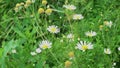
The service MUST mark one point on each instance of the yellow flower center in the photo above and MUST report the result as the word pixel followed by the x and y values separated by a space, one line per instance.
pixel 53 29
pixel 45 46
pixel 106 22
pixel 77 17
pixel 90 35
pixel 84 47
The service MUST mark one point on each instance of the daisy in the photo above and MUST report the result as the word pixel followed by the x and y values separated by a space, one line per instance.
pixel 33 1
pixel 77 17
pixel 108 23
pixel 61 40
pixel 33 53
pixel 38 50
pixel 13 51
pixel 69 7
pixel 107 51
pixel 70 36
pixel 53 29
pixel 83 45
pixel 45 44
pixel 90 33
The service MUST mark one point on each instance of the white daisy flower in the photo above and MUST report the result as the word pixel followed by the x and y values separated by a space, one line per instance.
pixel 45 44
pixel 77 17
pixel 107 51
pixel 114 64
pixel 108 23
pixel 61 40
pixel 33 1
pixel 13 51
pixel 90 33
pixel 53 29
pixel 38 50
pixel 118 48
pixel 83 45
pixel 33 53
pixel 69 7
pixel 78 39
pixel 70 36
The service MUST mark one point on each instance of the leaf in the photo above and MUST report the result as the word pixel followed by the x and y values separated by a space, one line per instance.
pixel 1 51
pixel 19 33
pixel 7 47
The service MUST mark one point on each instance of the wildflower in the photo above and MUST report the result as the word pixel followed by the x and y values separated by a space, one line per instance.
pixel 78 39
pixel 33 64
pixel 61 40
pixel 40 10
pixel 13 51
pixel 53 29
pixel 108 23
pixel 33 1
pixel 48 6
pixel 68 64
pixel 33 53
pixel 90 33
pixel 28 2
pixel 101 27
pixel 44 2
pixel 21 3
pixel 77 17
pixel 83 45
pixel 18 5
pixel 69 7
pixel 26 5
pixel 107 51
pixel 70 36
pixel 60 17
pixel 38 50
pixel 71 54
pixel 45 44
pixel 16 9
pixel 118 48
pixel 114 64
pixel 48 11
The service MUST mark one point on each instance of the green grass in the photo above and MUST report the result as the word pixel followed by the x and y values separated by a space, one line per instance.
pixel 25 29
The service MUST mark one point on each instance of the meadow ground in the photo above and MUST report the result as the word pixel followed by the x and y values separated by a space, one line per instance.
pixel 59 33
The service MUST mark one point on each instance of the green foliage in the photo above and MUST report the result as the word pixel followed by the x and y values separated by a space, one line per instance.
pixel 25 29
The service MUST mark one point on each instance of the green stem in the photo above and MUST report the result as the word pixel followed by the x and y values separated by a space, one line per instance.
pixel 54 56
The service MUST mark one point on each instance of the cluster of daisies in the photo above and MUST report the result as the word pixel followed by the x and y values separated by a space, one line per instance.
pixel 45 44
pixel 74 16
pixel 82 45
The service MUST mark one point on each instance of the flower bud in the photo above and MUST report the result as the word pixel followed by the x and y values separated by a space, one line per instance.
pixel 40 10
pixel 48 11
